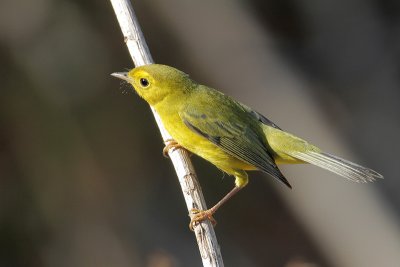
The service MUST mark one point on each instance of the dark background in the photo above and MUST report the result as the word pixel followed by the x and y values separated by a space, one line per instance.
pixel 82 178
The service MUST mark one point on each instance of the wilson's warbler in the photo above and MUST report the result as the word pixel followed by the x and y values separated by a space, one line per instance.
pixel 227 133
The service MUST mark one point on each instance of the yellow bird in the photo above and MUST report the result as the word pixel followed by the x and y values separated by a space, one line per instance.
pixel 228 134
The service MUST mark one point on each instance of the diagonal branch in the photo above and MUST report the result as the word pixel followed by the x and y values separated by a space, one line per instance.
pixel 205 235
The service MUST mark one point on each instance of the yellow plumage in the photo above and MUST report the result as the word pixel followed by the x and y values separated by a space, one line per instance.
pixel 227 133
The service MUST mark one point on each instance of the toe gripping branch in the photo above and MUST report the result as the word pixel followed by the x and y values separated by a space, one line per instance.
pixel 201 215
pixel 172 145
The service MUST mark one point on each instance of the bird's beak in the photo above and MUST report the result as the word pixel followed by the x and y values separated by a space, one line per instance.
pixel 121 75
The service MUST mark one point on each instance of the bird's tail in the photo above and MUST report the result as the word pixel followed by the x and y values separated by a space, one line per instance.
pixel 291 149
pixel 342 167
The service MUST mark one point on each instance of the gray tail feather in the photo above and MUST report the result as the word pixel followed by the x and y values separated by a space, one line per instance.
pixel 342 167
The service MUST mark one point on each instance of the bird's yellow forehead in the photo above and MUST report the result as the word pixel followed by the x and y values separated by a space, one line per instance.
pixel 138 73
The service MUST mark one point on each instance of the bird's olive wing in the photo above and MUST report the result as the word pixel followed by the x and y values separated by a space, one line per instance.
pixel 258 116
pixel 235 137
pixel 261 118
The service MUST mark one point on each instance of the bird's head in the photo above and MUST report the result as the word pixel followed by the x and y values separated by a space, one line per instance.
pixel 155 82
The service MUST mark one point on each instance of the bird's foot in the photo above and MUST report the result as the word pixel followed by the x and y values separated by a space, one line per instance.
pixel 201 215
pixel 172 145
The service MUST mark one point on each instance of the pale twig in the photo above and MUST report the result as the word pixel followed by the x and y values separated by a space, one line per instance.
pixel 205 235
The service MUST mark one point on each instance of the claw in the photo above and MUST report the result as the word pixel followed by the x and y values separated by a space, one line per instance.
pixel 170 144
pixel 201 215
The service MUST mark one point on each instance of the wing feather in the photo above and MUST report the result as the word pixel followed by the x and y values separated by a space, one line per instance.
pixel 237 139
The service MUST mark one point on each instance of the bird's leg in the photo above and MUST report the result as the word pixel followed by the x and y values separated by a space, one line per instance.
pixel 201 215
pixel 171 144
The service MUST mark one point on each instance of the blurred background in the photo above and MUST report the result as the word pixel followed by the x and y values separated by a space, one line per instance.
pixel 82 178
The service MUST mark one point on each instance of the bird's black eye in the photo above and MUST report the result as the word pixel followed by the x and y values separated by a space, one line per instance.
pixel 144 82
